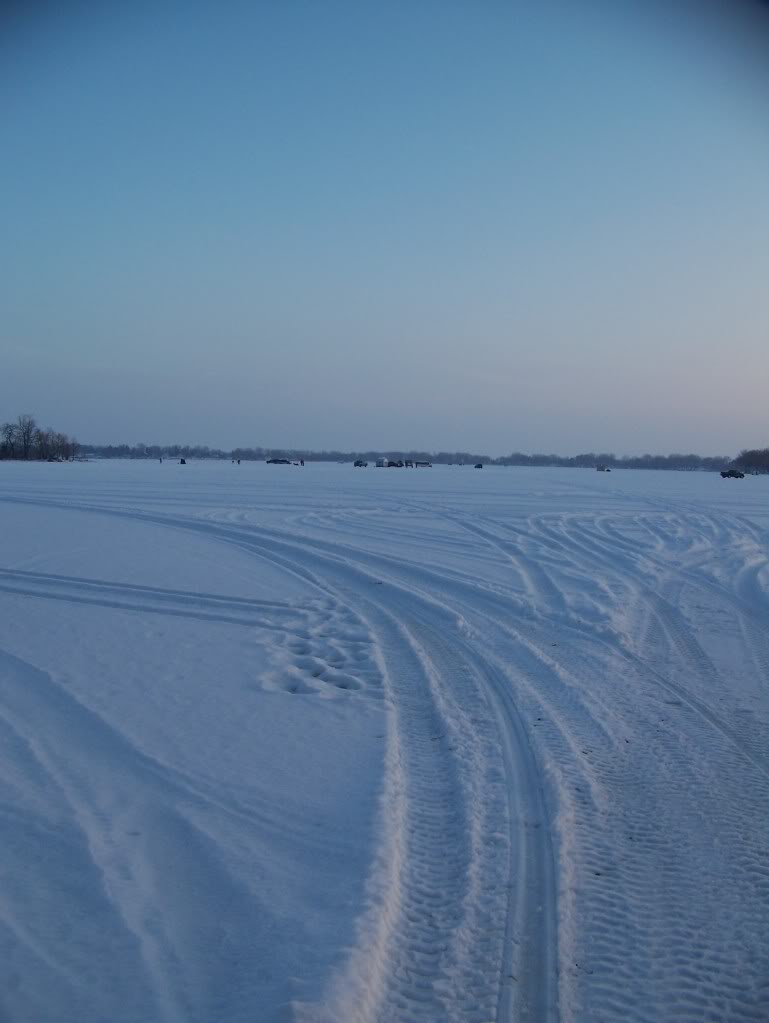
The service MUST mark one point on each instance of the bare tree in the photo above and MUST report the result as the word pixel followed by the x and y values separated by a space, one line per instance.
pixel 61 446
pixel 26 427
pixel 42 442
pixel 10 433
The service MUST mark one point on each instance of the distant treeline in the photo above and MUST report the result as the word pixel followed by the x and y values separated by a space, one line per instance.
pixel 153 451
pixel 590 460
pixel 440 457
pixel 23 439
pixel 753 460
pixel 756 460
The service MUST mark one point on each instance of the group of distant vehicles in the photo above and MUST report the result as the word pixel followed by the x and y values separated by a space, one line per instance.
pixel 388 463
pixel 399 463
pixel 726 474
pixel 393 463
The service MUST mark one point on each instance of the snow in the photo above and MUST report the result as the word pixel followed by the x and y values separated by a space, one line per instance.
pixel 330 744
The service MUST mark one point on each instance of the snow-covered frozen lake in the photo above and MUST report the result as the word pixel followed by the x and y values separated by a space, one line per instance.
pixel 373 746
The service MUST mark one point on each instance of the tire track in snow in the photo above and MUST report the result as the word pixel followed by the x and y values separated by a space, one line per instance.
pixel 681 639
pixel 463 898
pixel 631 862
pixel 457 959
pixel 611 907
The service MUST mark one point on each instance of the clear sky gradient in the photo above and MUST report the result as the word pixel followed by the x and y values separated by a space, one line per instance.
pixel 492 226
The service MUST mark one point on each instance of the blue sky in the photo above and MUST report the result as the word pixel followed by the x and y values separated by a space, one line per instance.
pixel 489 226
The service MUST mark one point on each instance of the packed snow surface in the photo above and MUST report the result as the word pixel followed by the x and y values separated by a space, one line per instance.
pixel 372 746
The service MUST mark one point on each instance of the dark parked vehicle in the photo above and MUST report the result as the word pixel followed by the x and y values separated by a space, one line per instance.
pixel 360 464
pixel 732 474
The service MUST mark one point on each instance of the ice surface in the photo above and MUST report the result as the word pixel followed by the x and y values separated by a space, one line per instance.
pixel 361 745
